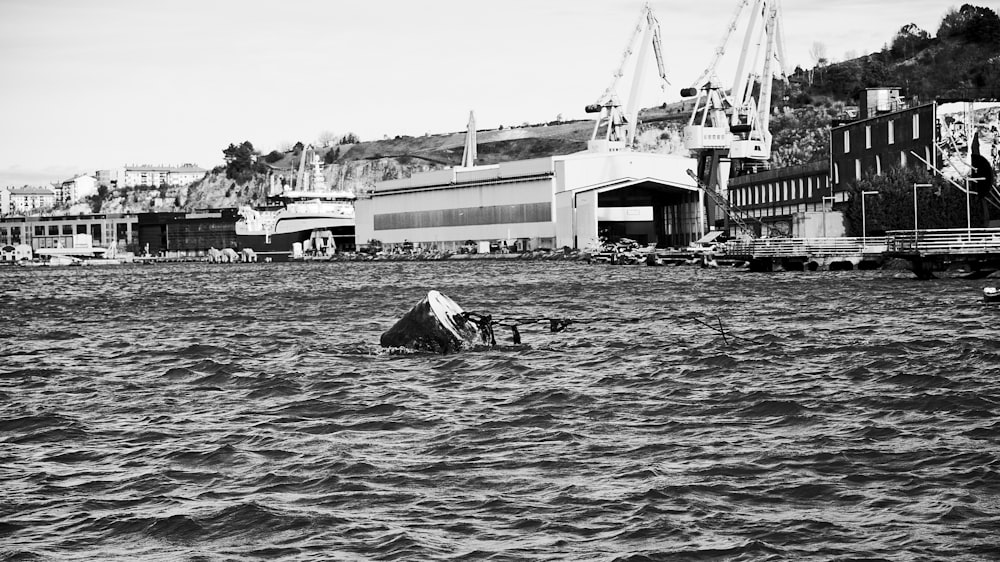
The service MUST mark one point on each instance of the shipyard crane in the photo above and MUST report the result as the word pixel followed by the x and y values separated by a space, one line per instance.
pixel 619 120
pixel 731 124
pixel 470 153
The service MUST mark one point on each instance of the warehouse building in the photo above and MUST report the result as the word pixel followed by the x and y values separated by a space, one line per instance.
pixel 553 202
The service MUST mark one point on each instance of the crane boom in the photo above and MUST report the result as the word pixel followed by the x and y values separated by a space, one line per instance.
pixel 709 73
pixel 621 119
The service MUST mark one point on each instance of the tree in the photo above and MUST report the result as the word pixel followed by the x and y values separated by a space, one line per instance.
pixel 908 41
pixel 349 138
pixel 97 200
pixel 331 155
pixel 971 24
pixel 802 135
pixel 241 162
pixel 326 138
pixel 273 156
pixel 939 206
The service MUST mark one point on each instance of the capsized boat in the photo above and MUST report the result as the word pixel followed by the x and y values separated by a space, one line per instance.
pixel 438 324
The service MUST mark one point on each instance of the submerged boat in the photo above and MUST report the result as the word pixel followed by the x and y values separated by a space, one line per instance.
pixel 991 294
pixel 307 220
pixel 438 324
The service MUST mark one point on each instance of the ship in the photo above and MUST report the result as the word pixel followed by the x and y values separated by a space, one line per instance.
pixel 304 220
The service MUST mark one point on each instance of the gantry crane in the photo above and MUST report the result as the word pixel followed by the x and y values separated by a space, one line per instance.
pixel 619 121
pixel 731 125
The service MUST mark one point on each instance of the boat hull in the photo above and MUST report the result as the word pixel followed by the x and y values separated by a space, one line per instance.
pixel 437 324
pixel 279 246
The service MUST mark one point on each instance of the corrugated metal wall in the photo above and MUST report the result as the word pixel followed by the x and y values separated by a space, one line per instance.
pixel 468 216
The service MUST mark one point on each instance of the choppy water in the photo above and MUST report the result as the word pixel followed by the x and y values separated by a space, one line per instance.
pixel 197 412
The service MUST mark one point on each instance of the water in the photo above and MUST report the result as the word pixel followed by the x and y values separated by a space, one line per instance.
pixel 245 412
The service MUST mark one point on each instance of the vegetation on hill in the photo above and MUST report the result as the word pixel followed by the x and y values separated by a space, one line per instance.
pixel 961 61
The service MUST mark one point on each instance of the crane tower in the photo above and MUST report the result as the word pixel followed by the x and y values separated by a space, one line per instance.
pixel 618 120
pixel 729 123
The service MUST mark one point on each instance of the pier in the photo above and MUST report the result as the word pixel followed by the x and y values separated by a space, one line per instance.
pixel 812 254
pixel 976 249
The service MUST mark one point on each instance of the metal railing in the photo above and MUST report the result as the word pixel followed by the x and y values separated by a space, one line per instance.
pixel 955 241
pixel 814 247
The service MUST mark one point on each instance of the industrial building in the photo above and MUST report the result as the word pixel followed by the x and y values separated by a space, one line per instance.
pixel 186 234
pixel 887 135
pixel 553 202
pixel 164 234
pixel 795 201
pixel 58 231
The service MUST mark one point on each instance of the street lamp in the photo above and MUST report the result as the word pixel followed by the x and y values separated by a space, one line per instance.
pixel 915 186
pixel 864 229
pixel 832 200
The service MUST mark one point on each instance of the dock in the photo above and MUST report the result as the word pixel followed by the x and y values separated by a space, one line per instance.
pixel 927 251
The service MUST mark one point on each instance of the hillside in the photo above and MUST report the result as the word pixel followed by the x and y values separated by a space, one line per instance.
pixel 356 167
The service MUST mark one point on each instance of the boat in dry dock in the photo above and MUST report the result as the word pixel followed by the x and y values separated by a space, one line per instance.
pixel 307 223
pixel 306 219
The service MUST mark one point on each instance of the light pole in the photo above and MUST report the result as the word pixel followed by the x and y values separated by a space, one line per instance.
pixel 832 200
pixel 864 228
pixel 915 186
pixel 968 203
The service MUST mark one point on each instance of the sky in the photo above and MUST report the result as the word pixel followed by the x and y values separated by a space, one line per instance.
pixel 87 85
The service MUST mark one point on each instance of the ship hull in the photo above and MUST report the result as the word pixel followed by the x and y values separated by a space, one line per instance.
pixel 279 246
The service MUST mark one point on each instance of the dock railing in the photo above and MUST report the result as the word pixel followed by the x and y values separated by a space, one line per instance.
pixel 954 241
pixel 818 247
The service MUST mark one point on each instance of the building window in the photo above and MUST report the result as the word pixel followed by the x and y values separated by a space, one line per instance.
pixel 916 125
pixel 892 131
pixel 927 156
pixel 857 168
pixel 847 142
pixel 878 165
pixel 53 230
pixel 902 159
pixel 809 187
pixel 868 136
pixel 81 229
pixel 67 229
pixel 836 173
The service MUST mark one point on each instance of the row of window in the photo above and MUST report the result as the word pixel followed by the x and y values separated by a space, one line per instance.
pixel 904 161
pixel 891 132
pixel 785 190
pixel 11 235
pixel 122 231
pixel 785 210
